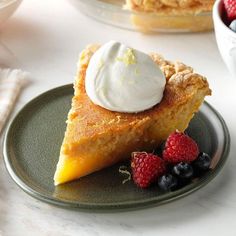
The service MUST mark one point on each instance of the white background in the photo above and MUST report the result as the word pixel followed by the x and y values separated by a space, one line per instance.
pixel 45 38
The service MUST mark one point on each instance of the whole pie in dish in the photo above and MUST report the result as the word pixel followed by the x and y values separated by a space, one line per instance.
pixel 96 138
pixel 171 6
pixel 172 15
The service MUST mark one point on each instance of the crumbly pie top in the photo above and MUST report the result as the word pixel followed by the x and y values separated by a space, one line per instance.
pixel 181 79
pixel 157 5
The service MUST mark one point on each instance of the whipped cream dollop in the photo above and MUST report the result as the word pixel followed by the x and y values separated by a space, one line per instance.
pixel 122 79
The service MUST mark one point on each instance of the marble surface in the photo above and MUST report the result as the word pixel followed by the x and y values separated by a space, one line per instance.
pixel 44 38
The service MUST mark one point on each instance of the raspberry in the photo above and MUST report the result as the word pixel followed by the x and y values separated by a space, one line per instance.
pixel 146 168
pixel 230 7
pixel 180 147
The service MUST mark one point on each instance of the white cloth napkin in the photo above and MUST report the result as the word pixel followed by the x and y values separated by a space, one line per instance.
pixel 11 84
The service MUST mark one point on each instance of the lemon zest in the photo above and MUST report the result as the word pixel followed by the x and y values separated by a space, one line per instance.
pixel 123 170
pixel 129 57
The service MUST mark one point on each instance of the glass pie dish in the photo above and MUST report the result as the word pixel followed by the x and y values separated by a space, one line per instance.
pixel 114 13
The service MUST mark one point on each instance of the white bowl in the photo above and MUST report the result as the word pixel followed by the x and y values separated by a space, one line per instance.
pixel 7 8
pixel 225 37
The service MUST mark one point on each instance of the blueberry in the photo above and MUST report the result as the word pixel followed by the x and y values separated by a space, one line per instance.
pixel 167 182
pixel 232 26
pixel 183 170
pixel 203 161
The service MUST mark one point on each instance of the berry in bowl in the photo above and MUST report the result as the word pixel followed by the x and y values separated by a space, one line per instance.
pixel 224 16
pixel 230 14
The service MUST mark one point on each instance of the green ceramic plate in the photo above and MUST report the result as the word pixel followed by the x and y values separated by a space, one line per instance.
pixel 32 145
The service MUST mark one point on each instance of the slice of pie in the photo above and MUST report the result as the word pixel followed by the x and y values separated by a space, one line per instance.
pixel 96 138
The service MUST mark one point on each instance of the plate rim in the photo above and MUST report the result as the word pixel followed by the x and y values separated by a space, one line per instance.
pixel 120 206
